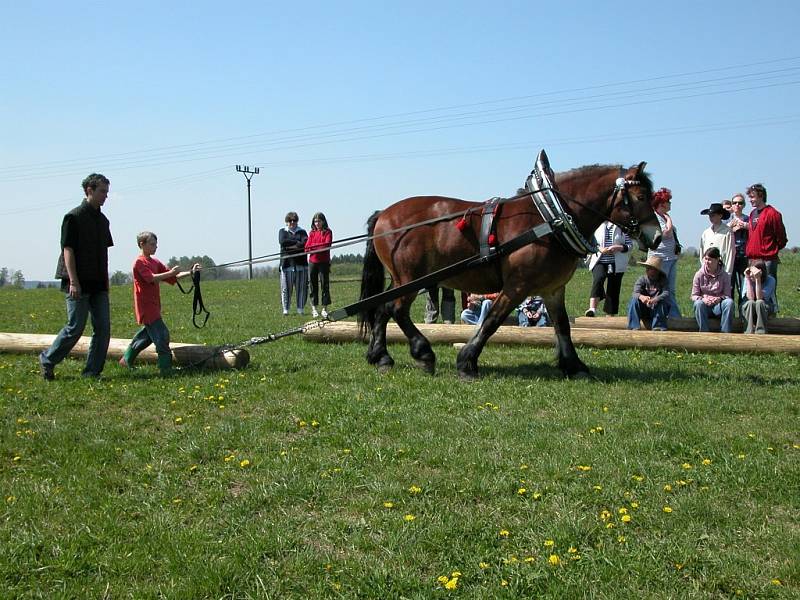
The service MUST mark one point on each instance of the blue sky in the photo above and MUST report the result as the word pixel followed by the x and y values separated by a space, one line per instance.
pixel 348 107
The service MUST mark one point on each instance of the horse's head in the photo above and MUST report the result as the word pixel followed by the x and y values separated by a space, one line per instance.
pixel 631 207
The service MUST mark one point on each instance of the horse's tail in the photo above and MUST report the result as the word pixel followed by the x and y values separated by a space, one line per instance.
pixel 372 278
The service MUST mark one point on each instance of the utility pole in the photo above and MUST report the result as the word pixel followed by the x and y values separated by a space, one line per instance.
pixel 248 174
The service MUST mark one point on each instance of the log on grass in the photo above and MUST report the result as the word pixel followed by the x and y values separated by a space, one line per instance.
pixel 596 338
pixel 183 355
pixel 781 325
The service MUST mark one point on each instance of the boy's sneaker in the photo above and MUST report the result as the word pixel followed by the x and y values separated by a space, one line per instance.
pixel 285 313
pixel 314 312
pixel 124 363
pixel 324 313
pixel 589 313
pixel 45 369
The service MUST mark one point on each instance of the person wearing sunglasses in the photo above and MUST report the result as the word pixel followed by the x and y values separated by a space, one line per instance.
pixel 738 224
pixel 294 264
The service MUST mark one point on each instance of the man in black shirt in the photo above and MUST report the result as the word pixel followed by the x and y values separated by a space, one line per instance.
pixel 83 270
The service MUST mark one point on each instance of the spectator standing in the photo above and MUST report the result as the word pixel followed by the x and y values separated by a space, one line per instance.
pixel 448 305
pixel 711 292
pixel 650 299
pixel 608 265
pixel 670 248
pixel 533 313
pixel 766 232
pixel 83 270
pixel 294 264
pixel 738 225
pixel 148 274
pixel 719 235
pixel 727 205
pixel 318 245
pixel 758 297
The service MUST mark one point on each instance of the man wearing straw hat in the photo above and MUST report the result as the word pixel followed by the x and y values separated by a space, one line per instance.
pixel 650 300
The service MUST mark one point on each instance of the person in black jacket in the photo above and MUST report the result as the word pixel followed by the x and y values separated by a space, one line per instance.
pixel 83 270
pixel 294 263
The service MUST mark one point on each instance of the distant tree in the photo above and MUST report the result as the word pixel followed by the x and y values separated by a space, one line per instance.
pixel 41 285
pixel 691 251
pixel 120 278
pixel 18 280
pixel 3 276
pixel 347 258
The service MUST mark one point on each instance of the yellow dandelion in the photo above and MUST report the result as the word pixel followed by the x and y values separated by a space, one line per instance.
pixel 686 466
pixel 706 461
pixel 11 499
pixel 605 515
pixel 622 510
pixel 667 488
pixel 667 509
pixel 523 467
pixel 408 518
pixel 193 468
pixel 678 566
pixel 610 526
pixel 455 574
pixel 244 463
pixel 388 505
pixel 638 478
pixel 584 468
pixel 16 458
pixel 414 489
pixel 537 496
pixel 315 423
pixel 597 488
pixel 776 581
pixel 626 518
pixel 634 505
pixel 346 451
pixel 503 583
pixel 452 584
pixel 483 565
pixel 301 423
pixel 443 579
pixel 521 491
pixel 572 550
pixel 178 420
pixel 741 456
pixel 504 533
pixel 554 560
pixel 549 543
pixel 529 559
pixel 176 500
pixel 621 539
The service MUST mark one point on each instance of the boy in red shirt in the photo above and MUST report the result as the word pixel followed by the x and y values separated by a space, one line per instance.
pixel 148 273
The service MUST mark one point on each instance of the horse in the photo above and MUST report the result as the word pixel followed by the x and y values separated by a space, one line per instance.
pixel 589 194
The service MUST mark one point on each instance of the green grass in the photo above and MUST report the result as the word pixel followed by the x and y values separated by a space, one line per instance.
pixel 133 486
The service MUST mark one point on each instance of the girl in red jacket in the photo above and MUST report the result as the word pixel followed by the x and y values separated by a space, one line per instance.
pixel 318 244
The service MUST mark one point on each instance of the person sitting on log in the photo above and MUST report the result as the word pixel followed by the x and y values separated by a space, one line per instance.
pixel 478 306
pixel 533 313
pixel 758 297
pixel 711 292
pixel 148 273
pixel 650 300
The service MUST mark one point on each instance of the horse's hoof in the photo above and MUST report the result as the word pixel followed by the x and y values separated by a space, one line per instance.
pixel 383 369
pixel 428 366
pixel 468 375
pixel 580 376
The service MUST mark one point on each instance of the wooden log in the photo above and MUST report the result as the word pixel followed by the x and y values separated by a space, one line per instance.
pixel 182 354
pixel 780 325
pixel 596 338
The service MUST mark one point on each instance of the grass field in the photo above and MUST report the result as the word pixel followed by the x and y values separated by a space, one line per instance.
pixel 670 475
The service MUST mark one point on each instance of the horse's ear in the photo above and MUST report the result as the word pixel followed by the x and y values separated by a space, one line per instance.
pixel 640 170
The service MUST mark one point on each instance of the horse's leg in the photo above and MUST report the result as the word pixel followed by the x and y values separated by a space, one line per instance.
pixel 467 360
pixel 568 360
pixel 377 352
pixel 419 346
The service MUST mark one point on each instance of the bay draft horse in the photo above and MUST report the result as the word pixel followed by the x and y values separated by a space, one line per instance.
pixel 590 194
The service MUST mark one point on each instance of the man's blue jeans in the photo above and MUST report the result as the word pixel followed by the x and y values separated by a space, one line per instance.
pixel 723 310
pixel 78 311
pixel 638 311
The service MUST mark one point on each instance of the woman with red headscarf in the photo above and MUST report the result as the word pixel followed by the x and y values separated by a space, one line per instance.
pixel 669 248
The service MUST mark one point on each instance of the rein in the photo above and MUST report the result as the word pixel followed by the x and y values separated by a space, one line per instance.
pixel 198 307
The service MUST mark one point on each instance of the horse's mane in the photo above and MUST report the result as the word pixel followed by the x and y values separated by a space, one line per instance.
pixel 596 170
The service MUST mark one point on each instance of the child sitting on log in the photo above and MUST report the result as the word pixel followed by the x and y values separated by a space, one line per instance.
pixel 148 273
pixel 650 301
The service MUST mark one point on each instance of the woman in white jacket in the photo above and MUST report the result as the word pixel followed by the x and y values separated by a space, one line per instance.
pixel 608 266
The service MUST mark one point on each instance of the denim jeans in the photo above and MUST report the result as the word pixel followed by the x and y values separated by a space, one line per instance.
pixel 472 317
pixel 152 333
pixel 78 311
pixel 723 310
pixel 294 279
pixel 670 267
pixel 638 311
pixel 523 321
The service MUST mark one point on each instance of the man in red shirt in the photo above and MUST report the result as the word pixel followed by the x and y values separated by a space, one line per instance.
pixel 766 233
pixel 148 273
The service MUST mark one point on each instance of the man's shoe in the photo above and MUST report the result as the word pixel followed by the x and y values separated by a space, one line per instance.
pixel 589 313
pixel 45 369
pixel 314 312
pixel 285 313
